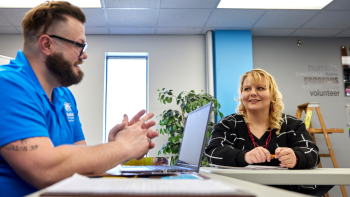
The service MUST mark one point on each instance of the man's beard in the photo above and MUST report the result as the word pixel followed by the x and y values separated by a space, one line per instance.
pixel 62 70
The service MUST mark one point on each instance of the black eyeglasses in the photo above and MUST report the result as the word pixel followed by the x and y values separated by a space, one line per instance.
pixel 83 46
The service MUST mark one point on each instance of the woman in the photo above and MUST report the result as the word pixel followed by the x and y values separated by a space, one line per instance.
pixel 260 130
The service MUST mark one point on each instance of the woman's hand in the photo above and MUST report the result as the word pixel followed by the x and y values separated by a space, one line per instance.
pixel 286 156
pixel 257 155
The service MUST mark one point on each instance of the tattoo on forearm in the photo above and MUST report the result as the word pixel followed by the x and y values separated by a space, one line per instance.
pixel 34 147
pixel 21 148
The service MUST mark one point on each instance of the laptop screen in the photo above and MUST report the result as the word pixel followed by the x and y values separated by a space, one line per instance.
pixel 194 134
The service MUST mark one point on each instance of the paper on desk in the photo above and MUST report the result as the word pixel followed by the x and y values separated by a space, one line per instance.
pixel 251 167
pixel 79 184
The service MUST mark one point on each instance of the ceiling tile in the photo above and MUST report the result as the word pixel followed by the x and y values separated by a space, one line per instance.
pixel 8 30
pixel 4 21
pixel 330 20
pixel 338 5
pixel 20 29
pixel 95 17
pixel 14 15
pixel 233 18
pixel 131 3
pixel 345 33
pixel 96 30
pixel 132 17
pixel 132 30
pixel 272 32
pixel 162 30
pixel 189 3
pixel 316 32
pixel 183 17
pixel 285 18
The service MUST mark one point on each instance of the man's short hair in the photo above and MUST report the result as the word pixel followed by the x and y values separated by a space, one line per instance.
pixel 37 20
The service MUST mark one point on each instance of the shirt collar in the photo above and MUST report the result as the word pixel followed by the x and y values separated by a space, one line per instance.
pixel 23 61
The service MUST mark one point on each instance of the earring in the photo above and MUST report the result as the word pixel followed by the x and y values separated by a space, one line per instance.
pixel 272 109
pixel 243 110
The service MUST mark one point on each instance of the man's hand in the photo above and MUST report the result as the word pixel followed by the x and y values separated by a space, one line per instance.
pixel 286 156
pixel 113 132
pixel 117 128
pixel 137 117
pixel 257 155
pixel 135 138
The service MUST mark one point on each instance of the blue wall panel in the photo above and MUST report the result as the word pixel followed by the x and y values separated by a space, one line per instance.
pixel 233 56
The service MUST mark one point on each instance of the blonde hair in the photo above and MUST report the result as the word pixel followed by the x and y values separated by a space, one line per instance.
pixel 275 96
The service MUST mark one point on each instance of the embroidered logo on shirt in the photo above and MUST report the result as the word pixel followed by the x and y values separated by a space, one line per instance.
pixel 70 114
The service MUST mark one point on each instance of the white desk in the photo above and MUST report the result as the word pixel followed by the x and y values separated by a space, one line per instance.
pixel 253 188
pixel 318 176
pixel 256 189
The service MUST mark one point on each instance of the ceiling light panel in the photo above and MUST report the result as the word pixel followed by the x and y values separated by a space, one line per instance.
pixel 274 4
pixel 34 3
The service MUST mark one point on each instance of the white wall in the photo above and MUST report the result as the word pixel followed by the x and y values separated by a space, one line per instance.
pixel 175 62
pixel 4 59
pixel 282 58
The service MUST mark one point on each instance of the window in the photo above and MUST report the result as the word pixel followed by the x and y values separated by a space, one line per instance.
pixel 126 87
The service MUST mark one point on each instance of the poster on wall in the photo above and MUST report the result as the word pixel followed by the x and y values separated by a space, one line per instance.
pixel 345 60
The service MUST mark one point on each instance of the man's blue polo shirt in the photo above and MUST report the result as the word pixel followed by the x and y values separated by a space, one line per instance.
pixel 26 111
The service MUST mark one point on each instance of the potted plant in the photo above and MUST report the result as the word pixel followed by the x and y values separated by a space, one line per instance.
pixel 171 122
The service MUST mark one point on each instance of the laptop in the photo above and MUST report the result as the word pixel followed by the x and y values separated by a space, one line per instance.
pixel 191 149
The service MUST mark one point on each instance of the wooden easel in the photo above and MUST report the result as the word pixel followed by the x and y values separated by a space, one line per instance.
pixel 308 108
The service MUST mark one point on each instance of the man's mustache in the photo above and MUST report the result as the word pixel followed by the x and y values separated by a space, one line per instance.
pixel 78 62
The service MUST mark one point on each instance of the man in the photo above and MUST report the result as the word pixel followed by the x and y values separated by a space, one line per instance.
pixel 39 124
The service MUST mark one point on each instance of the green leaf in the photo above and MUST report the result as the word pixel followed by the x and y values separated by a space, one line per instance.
pixel 165 131
pixel 170 93
pixel 177 102
pixel 178 124
pixel 208 134
pixel 176 139
pixel 157 89
pixel 169 99
pixel 175 128
pixel 163 89
pixel 162 97
pixel 192 91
